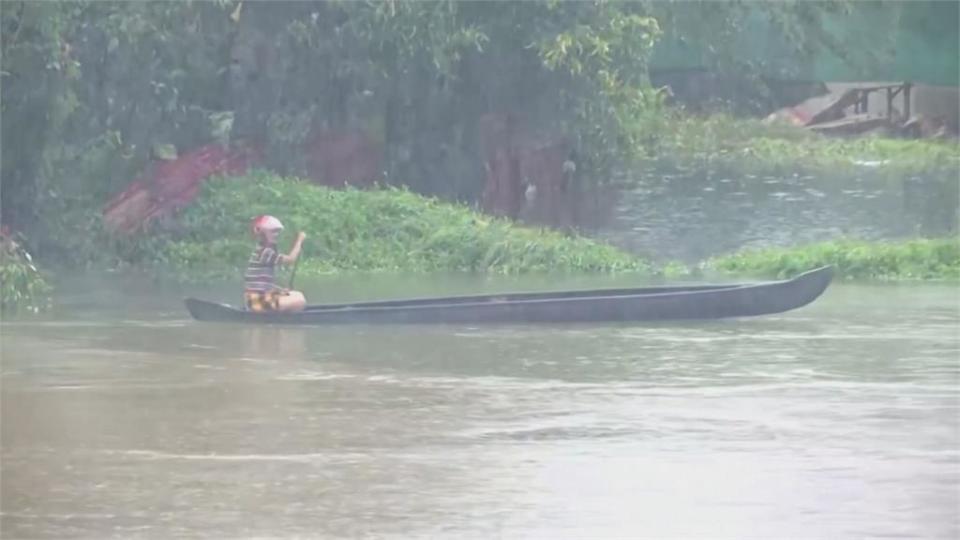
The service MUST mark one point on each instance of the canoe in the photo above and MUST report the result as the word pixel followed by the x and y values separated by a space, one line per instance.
pixel 669 303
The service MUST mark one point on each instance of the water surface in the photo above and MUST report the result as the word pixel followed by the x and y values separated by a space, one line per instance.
pixel 692 214
pixel 838 420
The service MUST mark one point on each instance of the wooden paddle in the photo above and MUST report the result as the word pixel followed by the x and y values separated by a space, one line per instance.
pixel 293 273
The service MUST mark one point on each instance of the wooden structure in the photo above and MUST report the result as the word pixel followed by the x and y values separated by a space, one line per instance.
pixel 861 104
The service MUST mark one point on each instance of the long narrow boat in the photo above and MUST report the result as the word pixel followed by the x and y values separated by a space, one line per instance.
pixel 600 305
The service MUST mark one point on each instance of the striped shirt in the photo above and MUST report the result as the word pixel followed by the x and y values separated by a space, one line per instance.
pixel 261 267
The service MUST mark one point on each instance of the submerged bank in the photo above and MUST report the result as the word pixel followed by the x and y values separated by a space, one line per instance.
pixel 751 146
pixel 918 259
pixel 27 290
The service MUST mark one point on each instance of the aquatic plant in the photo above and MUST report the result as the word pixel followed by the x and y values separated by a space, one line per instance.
pixel 915 259
pixel 753 146
pixel 22 286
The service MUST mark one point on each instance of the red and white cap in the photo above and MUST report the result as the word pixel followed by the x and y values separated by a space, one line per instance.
pixel 265 223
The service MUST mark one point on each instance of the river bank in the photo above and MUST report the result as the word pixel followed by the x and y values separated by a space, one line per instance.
pixel 904 190
pixel 394 232
pixel 378 230
pixel 908 260
pixel 755 147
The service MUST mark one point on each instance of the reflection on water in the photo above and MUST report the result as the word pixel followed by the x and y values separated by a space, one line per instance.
pixel 834 421
pixel 693 214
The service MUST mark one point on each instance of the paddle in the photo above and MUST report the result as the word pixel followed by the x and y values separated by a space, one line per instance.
pixel 293 273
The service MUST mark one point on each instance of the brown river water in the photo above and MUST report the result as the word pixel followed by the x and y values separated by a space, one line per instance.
pixel 838 420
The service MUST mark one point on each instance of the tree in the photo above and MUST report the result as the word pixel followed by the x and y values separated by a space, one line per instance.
pixel 89 89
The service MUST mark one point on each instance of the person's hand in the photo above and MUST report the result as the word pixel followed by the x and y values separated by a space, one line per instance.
pixel 301 236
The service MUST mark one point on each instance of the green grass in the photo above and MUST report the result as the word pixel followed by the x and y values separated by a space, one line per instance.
pixel 752 146
pixel 920 259
pixel 350 230
pixel 394 230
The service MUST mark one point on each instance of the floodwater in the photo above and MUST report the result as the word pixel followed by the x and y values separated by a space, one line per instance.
pixel 693 214
pixel 839 420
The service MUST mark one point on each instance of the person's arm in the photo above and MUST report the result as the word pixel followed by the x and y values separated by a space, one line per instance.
pixel 291 257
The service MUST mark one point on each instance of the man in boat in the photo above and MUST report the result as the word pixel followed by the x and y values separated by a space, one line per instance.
pixel 261 291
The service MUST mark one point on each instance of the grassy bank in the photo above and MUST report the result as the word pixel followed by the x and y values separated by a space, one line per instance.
pixel 752 146
pixel 394 230
pixel 920 259
pixel 351 230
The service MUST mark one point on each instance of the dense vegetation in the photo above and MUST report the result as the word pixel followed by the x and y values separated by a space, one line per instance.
pixel 396 230
pixel 393 230
pixel 351 230
pixel 92 89
pixel 22 287
pixel 852 259
pixel 752 146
